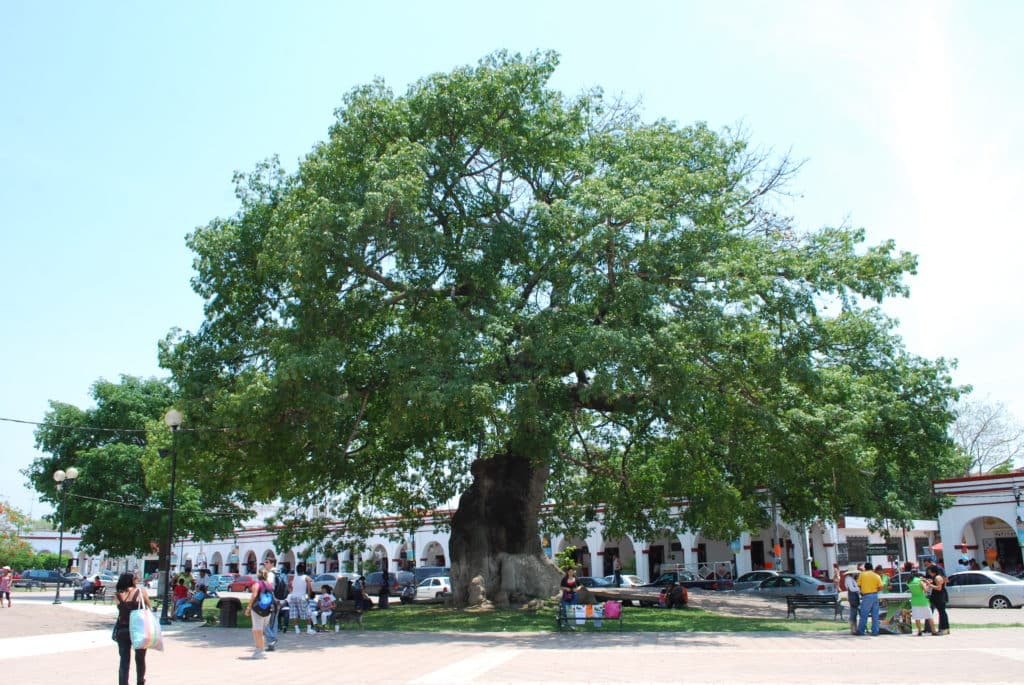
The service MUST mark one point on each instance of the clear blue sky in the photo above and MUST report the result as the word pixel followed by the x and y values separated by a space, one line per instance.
pixel 122 123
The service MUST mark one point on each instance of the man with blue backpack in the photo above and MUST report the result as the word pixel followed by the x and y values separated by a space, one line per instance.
pixel 270 629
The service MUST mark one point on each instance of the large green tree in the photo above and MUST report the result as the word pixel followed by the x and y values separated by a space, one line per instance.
pixel 119 501
pixel 485 287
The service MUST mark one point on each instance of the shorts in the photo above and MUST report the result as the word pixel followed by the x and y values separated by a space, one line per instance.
pixel 299 607
pixel 259 622
pixel 921 613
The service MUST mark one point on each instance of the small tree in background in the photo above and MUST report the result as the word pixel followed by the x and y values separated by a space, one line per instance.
pixel 14 551
pixel 988 435
pixel 566 559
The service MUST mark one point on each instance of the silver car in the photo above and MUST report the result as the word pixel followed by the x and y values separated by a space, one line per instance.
pixel 628 580
pixel 786 584
pixel 985 589
pixel 748 581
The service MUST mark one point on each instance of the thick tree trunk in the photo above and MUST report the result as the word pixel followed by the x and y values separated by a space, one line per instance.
pixel 495 543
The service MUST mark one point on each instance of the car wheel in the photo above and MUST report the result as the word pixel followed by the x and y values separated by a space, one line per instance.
pixel 1000 602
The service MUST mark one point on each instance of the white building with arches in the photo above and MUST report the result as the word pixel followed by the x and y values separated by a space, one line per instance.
pixel 986 521
pixel 786 546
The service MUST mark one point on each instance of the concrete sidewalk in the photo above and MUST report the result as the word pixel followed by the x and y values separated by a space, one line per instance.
pixel 198 653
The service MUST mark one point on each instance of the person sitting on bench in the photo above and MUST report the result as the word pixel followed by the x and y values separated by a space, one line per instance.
pixel 88 588
pixel 84 590
pixel 193 608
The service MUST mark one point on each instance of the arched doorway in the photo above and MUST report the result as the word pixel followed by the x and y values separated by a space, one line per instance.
pixel 623 550
pixel 987 541
pixel 581 556
pixel 216 562
pixel 433 554
pixel 233 560
pixel 250 562
pixel 377 560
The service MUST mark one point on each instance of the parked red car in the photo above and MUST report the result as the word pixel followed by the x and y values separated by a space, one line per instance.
pixel 241 584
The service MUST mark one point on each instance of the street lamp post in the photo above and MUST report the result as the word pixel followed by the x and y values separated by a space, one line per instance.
pixel 61 476
pixel 173 421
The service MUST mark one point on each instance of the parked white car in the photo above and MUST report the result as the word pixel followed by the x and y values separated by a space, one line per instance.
pixel 628 580
pixel 985 589
pixel 434 589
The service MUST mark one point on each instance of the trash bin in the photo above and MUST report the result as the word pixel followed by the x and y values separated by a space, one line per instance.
pixel 229 608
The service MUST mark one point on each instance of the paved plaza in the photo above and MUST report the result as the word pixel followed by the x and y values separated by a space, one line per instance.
pixel 70 643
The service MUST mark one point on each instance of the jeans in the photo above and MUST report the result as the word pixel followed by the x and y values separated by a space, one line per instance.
pixel 868 606
pixel 270 629
pixel 124 650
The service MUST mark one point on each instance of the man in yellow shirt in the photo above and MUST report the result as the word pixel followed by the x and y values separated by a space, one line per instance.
pixel 870 584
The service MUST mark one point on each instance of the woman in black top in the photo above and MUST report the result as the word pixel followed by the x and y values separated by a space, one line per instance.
pixel 129 598
pixel 569 586
pixel 939 596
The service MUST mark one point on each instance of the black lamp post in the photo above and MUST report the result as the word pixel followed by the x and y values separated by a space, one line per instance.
pixel 61 476
pixel 173 421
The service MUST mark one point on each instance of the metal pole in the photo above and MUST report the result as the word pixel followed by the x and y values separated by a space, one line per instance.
pixel 164 618
pixel 60 538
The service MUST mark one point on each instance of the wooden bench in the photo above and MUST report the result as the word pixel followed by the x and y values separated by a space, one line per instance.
pixel 565 622
pixel 793 602
pixel 346 612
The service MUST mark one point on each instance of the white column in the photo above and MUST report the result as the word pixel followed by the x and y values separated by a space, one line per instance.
pixel 688 544
pixel 796 535
pixel 642 560
pixel 743 562
pixel 556 544
pixel 595 543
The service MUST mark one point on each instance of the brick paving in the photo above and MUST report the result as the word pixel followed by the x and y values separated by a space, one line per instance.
pixel 70 642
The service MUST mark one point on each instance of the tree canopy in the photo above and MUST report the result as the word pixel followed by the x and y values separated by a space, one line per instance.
pixel 119 501
pixel 484 268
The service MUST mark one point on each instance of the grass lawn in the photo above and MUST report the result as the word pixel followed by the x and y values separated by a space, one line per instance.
pixel 437 618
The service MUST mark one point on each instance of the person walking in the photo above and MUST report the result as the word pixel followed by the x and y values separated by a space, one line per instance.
pixel 270 629
pixel 617 570
pixel 6 578
pixel 870 584
pixel 298 600
pixel 259 622
pixel 129 597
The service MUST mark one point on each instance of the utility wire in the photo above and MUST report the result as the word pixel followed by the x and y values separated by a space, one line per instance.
pixel 94 429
